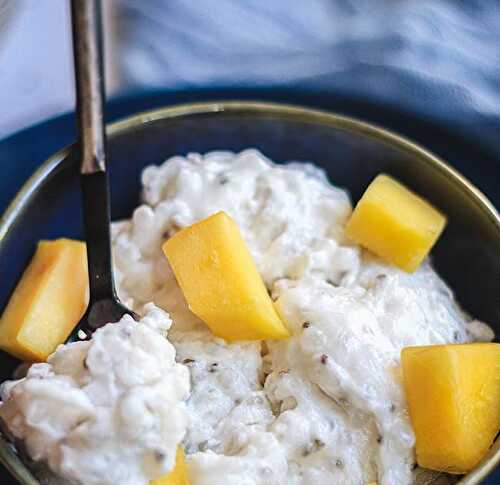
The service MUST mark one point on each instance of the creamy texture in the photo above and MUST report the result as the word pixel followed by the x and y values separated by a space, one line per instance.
pixel 107 411
pixel 227 400
pixel 346 343
pixel 326 405
pixel 291 220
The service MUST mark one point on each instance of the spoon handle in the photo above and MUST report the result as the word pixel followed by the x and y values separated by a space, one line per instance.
pixel 89 75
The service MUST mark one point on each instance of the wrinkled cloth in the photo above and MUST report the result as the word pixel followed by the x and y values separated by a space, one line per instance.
pixel 438 58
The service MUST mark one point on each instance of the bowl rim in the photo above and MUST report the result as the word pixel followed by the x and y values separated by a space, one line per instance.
pixel 271 110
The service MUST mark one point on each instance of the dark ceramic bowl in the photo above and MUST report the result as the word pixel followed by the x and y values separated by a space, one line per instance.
pixel 352 153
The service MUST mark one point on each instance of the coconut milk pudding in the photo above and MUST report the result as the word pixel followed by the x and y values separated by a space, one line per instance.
pixel 326 405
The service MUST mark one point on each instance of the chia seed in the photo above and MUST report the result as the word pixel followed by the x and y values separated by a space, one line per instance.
pixel 159 456
pixel 223 179
pixel 170 231
pixel 80 422
pixel 324 359
pixel 306 324
pixel 318 444
pixel 315 446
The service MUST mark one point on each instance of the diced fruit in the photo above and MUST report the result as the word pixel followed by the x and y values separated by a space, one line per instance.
pixel 48 301
pixel 178 476
pixel 220 281
pixel 396 224
pixel 453 394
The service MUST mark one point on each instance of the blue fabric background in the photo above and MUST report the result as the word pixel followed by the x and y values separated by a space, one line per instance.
pixel 437 58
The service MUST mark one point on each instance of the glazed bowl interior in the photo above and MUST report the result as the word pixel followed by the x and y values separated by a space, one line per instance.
pixel 351 152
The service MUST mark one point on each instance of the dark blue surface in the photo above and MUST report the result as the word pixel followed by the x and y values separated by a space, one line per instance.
pixel 472 155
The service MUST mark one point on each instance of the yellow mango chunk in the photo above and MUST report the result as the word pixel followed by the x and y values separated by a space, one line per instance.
pixel 178 476
pixel 48 301
pixel 453 394
pixel 220 281
pixel 395 224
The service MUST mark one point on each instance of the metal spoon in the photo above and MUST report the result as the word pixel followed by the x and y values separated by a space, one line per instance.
pixel 104 305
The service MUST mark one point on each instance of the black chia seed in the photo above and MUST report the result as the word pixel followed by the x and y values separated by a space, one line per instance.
pixel 170 231
pixel 80 422
pixel 159 456
pixel 306 324
pixel 318 444
pixel 315 446
pixel 324 359
pixel 223 179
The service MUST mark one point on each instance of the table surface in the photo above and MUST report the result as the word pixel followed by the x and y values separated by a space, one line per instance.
pixel 476 158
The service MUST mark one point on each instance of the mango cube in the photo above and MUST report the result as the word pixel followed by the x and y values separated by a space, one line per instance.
pixel 220 281
pixel 395 224
pixel 48 301
pixel 453 394
pixel 178 476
